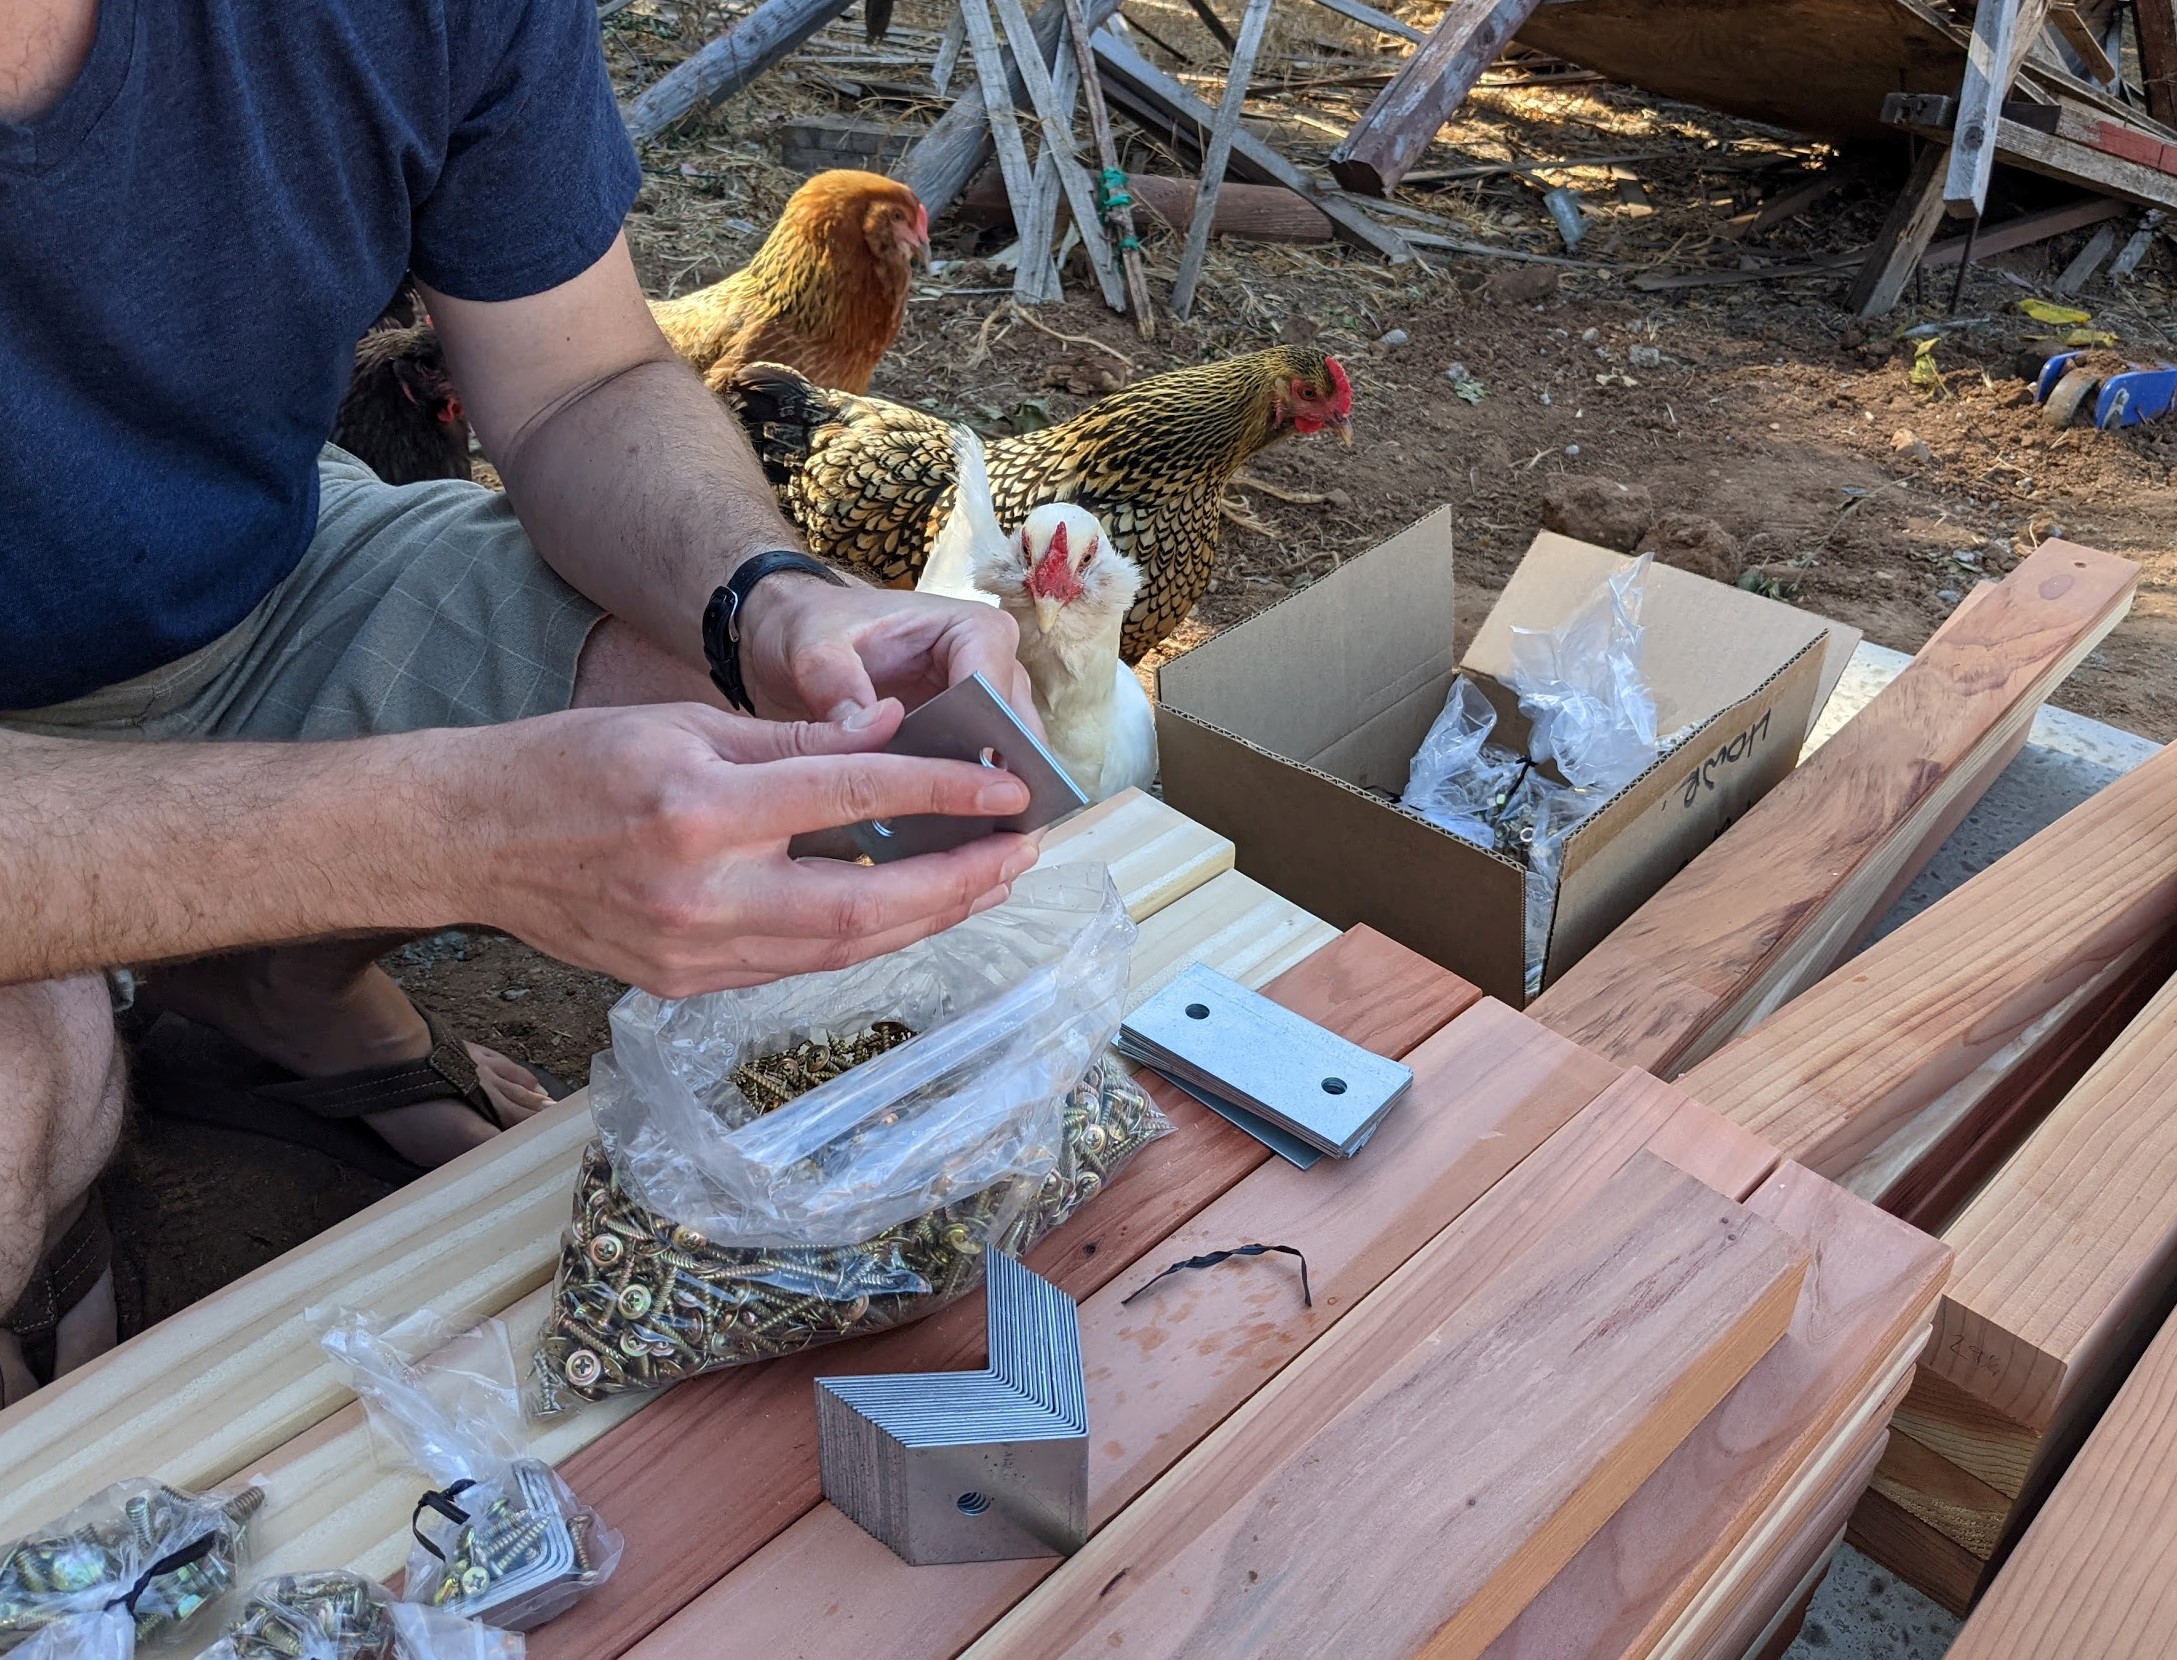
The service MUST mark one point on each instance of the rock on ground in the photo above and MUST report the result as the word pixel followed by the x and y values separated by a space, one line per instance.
pixel 1598 510
pixel 1693 542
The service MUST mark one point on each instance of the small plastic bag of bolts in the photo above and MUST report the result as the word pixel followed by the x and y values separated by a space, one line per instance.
pixel 1592 718
pixel 344 1616
pixel 161 1553
pixel 499 1537
pixel 835 1154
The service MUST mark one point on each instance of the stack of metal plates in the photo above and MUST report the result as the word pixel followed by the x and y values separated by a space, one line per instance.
pixel 1299 1089
pixel 970 1466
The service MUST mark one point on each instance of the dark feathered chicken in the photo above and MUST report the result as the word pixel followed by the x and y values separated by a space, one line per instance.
pixel 870 482
pixel 402 417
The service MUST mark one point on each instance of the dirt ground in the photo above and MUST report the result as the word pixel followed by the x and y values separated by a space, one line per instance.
pixel 1834 474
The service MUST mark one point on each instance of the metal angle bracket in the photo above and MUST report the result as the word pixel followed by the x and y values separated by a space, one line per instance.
pixel 970 1466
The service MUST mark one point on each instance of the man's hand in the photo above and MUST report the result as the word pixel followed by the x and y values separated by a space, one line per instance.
pixel 814 652
pixel 651 843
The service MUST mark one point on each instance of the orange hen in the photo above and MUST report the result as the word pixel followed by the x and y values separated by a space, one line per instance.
pixel 825 294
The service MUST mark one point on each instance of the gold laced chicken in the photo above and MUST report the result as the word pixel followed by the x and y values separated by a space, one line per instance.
pixel 870 482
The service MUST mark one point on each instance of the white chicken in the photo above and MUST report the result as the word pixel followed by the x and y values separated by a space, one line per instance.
pixel 1069 590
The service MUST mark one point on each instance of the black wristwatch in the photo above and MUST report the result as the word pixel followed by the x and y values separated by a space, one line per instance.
pixel 722 617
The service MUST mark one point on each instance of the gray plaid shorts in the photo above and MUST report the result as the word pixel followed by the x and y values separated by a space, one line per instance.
pixel 417 606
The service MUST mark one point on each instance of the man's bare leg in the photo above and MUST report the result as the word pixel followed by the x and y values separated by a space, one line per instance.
pixel 60 1118
pixel 328 1008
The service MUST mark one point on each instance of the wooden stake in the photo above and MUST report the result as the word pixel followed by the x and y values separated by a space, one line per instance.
pixel 1219 154
pixel 1980 107
pixel 1054 109
pixel 2156 23
pixel 1107 158
pixel 1432 83
pixel 1033 273
pixel 948 53
pixel 723 66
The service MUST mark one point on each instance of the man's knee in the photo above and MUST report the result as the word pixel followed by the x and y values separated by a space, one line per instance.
pixel 61 1082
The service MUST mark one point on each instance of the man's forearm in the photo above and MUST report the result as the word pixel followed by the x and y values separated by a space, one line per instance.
pixel 119 853
pixel 644 495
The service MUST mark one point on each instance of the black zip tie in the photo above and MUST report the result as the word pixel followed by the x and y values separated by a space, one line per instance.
pixel 193 1552
pixel 1307 1298
pixel 442 1501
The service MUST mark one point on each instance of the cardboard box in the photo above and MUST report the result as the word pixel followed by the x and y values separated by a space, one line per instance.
pixel 1292 733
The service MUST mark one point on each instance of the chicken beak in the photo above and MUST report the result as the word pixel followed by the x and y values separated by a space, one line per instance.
pixel 1344 424
pixel 1047 611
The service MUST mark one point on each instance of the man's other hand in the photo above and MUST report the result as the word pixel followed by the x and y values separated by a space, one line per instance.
pixel 812 651
pixel 650 843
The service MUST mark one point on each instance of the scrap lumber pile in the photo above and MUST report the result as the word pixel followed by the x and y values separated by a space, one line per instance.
pixel 1585 1369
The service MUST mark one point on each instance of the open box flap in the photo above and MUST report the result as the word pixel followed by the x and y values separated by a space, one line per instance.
pixel 1332 677
pixel 1708 646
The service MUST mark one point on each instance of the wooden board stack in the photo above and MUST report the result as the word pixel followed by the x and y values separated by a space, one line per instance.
pixel 1585 1372
pixel 2091 1580
pixel 2066 1261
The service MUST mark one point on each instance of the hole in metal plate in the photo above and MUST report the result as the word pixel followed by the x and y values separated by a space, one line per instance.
pixel 880 828
pixel 1197 1011
pixel 1334 1086
pixel 991 757
pixel 972 1504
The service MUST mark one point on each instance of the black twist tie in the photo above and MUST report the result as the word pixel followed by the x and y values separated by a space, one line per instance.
pixel 1307 1298
pixel 195 1551
pixel 440 1500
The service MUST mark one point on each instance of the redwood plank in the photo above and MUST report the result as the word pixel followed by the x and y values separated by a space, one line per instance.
pixel 1841 1072
pixel 1440 1492
pixel 1780 898
pixel 1870 1287
pixel 720 1464
pixel 2091 1579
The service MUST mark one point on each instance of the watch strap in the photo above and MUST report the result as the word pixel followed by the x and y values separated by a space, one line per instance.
pixel 722 617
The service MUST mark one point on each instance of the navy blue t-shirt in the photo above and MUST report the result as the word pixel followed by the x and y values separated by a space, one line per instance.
pixel 191 242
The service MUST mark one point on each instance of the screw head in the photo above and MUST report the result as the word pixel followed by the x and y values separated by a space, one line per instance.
pixel 475 1581
pixel 635 1301
pixel 605 1249
pixel 584 1368
pixel 688 1239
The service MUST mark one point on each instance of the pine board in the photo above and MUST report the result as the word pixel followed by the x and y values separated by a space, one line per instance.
pixel 1165 1371
pixel 718 1466
pixel 1835 1075
pixel 204 1394
pixel 2074 1241
pixel 2091 1579
pixel 1785 893
pixel 1871 1287
pixel 1439 1492
pixel 1781 1591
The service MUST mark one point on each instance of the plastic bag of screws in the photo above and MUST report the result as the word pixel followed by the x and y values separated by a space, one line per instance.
pixel 834 1155
pixel 344 1616
pixel 108 1635
pixel 162 1553
pixel 499 1537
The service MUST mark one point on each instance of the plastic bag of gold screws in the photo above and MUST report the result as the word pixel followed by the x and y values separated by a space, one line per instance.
pixel 833 1155
pixel 163 1554
pixel 499 1537
pixel 343 1616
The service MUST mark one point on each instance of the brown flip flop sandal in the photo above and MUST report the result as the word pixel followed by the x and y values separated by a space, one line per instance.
pixel 191 1072
pixel 65 1275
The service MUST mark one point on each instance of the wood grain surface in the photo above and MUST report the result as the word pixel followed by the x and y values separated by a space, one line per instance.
pixel 2091 1579
pixel 1833 1076
pixel 1870 1291
pixel 2074 1241
pixel 1168 1367
pixel 1777 900
pixel 1440 1492
pixel 722 1463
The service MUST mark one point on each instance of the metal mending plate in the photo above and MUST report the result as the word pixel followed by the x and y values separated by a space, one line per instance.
pixel 970 1466
pixel 1213 1031
pixel 967 722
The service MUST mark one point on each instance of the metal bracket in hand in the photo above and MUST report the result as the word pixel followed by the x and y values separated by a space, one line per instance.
pixel 967 722
pixel 970 1466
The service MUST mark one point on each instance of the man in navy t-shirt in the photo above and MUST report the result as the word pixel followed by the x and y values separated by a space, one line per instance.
pixel 440 705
